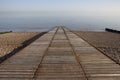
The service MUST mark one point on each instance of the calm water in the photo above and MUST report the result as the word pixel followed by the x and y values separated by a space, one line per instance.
pixel 45 21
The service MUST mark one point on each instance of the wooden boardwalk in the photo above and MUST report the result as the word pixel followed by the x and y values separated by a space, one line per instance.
pixel 59 55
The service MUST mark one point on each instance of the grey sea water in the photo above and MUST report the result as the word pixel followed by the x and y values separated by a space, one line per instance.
pixel 45 21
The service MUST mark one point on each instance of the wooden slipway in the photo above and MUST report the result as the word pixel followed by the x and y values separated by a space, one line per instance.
pixel 59 55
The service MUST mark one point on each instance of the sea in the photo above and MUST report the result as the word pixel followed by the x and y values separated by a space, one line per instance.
pixel 38 22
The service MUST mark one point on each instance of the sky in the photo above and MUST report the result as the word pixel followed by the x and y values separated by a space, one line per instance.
pixel 75 7
pixel 52 12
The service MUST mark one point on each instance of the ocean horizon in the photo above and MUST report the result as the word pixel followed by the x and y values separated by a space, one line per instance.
pixel 43 21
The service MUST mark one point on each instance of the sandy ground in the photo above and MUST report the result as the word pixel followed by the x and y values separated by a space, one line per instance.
pixel 10 41
pixel 107 42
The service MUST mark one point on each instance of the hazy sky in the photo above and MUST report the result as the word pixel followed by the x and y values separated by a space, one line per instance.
pixel 105 7
pixel 39 12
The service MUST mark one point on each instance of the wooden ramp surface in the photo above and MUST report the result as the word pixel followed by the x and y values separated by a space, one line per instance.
pixel 59 55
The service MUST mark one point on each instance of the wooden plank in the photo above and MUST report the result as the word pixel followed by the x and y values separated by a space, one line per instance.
pixel 59 55
pixel 22 65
